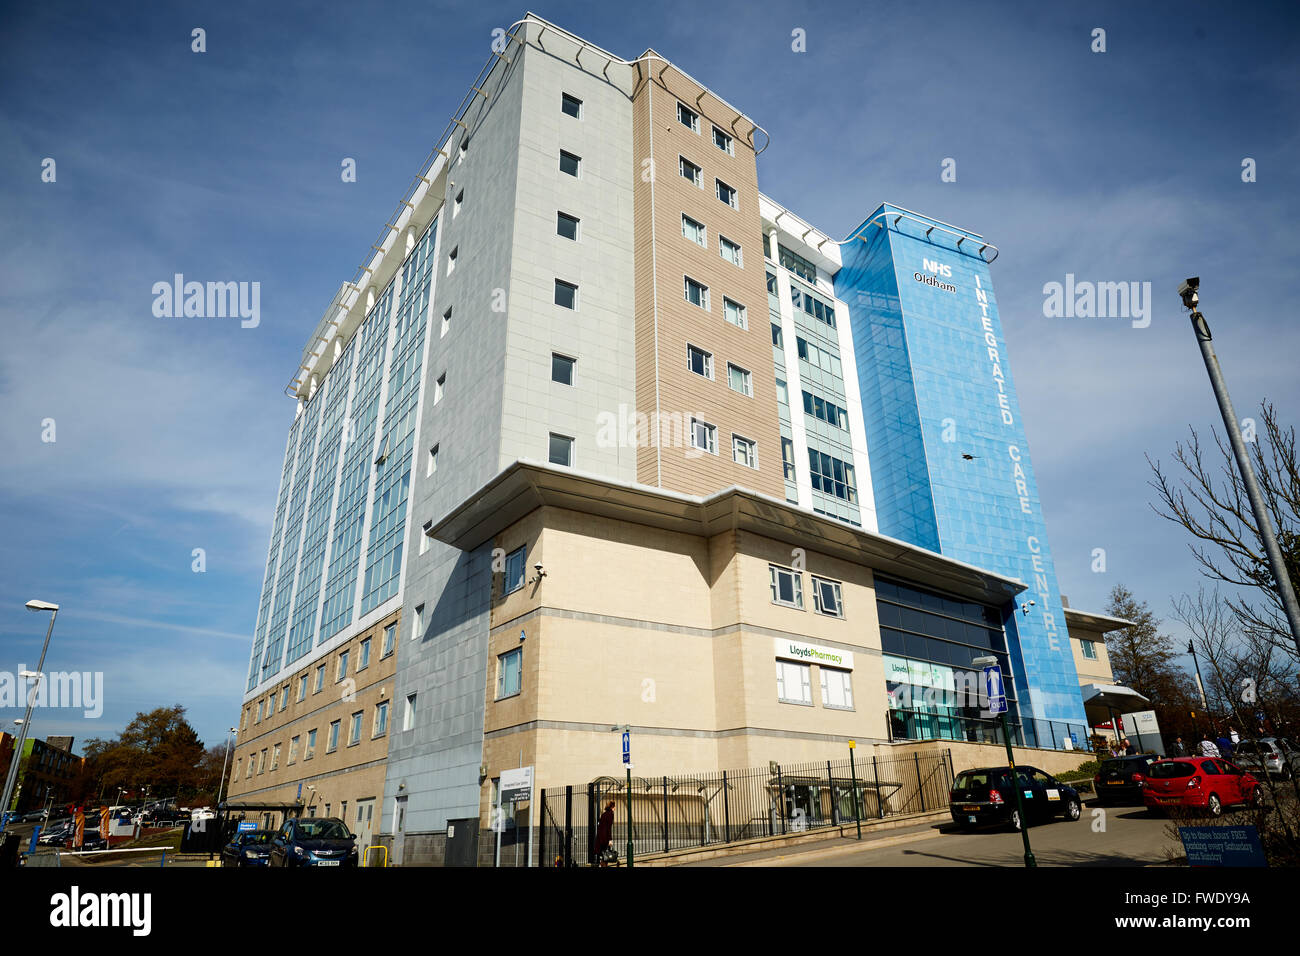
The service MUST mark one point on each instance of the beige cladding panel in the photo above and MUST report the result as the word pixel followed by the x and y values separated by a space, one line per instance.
pixel 677 392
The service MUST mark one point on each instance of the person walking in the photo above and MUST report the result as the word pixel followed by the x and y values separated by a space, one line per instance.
pixel 1207 747
pixel 1129 749
pixel 1178 748
pixel 605 833
pixel 1225 747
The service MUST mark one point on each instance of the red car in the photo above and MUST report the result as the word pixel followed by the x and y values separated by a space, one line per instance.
pixel 1210 783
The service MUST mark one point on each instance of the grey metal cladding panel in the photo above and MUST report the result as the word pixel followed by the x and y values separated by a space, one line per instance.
pixel 446 665
pixel 600 334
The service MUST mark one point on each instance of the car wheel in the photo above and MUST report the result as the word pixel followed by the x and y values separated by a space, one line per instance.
pixel 1257 798
pixel 1015 820
pixel 1286 773
pixel 1214 805
pixel 1073 809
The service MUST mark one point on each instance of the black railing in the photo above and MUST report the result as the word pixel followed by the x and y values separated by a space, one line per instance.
pixel 687 811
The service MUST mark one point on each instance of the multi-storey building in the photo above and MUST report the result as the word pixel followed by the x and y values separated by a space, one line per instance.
pixel 553 470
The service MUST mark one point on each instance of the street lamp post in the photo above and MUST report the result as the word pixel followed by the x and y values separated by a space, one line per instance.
pixel 1011 762
pixel 220 786
pixel 1282 581
pixel 12 777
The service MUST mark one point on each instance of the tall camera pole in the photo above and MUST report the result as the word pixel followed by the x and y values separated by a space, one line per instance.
pixel 1188 292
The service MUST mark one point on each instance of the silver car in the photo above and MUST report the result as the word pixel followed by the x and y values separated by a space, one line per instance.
pixel 1272 755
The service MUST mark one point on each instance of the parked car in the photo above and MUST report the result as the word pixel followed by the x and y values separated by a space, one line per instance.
pixel 34 816
pixel 1210 783
pixel 1272 755
pixel 313 841
pixel 250 848
pixel 988 795
pixel 90 840
pixel 56 835
pixel 1122 779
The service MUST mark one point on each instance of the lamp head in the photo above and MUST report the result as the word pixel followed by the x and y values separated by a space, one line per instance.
pixel 41 606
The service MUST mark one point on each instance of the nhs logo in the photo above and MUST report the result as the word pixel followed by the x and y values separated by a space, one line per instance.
pixel 937 268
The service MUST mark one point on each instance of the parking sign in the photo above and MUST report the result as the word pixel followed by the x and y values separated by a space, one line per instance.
pixel 997 694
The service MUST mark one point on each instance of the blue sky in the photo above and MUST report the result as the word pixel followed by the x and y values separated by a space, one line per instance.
pixel 1123 165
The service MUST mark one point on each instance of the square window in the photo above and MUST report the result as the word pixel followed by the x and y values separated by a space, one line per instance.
pixel 439 387
pixel 693 231
pixel 793 682
pixel 566 226
pixel 730 251
pixel 570 163
pixel 696 293
pixel 787 586
pixel 514 578
pixel 432 465
pixel 744 452
pixel 566 294
pixel 446 323
pixel 509 672
pixel 688 117
pixel 562 368
pixel 727 194
pixel 699 361
pixel 451 260
pixel 561 450
pixel 690 171
pixel 740 380
pixel 723 142
pixel 704 436
pixel 570 105
pixel 827 598
pixel 734 313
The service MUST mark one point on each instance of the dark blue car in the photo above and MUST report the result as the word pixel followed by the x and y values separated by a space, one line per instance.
pixel 314 841
pixel 988 795
pixel 250 848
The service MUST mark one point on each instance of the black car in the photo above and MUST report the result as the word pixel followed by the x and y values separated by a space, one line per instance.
pixel 313 841
pixel 56 834
pixel 250 848
pixel 1121 779
pixel 90 840
pixel 988 795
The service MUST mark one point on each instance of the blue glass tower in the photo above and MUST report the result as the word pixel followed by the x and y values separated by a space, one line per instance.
pixel 950 464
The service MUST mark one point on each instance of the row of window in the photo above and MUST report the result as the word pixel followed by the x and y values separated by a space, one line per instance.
pixel 691 120
pixel 787 590
pixel 794 685
pixel 266 707
pixel 697 293
pixel 698 233
pixel 257 762
pixel 701 363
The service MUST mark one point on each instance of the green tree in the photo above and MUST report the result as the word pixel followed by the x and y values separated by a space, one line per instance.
pixel 1144 659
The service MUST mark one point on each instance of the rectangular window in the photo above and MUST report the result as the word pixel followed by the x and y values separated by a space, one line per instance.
pixel 562 368
pixel 408 717
pixel 694 231
pixel 417 622
pixel 726 194
pixel 364 662
pixel 381 719
pixel 566 226
pixel 730 251
pixel 320 679
pixel 690 171
pixel 778 337
pixel 820 310
pixel 432 465
pixel 723 142
pixel 390 640
pixel 699 361
pixel 704 436
pixel 446 323
pixel 827 598
pixel 509 672
pixel 260 705
pixel 284 696
pixel 302 687
pixel 793 682
pixel 771 284
pixel 826 410
pixel 354 731
pixel 275 757
pixel 734 313
pixel 514 578
pixel 744 452
pixel 293 748
pixel 561 450
pixel 1089 650
pixel 342 671
pixel 688 117
pixel 439 387
pixel 261 762
pixel 457 203
pixel 831 476
pixel 787 458
pixel 570 163
pixel 696 293
pixel 311 745
pixel 787 586
pixel 797 264
pixel 252 765
pixel 451 260
pixel 570 105
pixel 740 380
pixel 566 294
pixel 782 392
pixel 837 688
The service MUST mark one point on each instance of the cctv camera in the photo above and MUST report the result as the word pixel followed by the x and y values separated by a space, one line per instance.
pixel 538 567
pixel 1188 292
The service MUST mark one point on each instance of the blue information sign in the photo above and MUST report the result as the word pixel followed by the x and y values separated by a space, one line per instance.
pixel 627 747
pixel 996 692
pixel 1222 846
pixel 246 826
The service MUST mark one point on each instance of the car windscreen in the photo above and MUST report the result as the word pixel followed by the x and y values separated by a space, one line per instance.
pixel 977 780
pixel 1125 764
pixel 322 830
pixel 1171 769
pixel 256 836
pixel 1246 747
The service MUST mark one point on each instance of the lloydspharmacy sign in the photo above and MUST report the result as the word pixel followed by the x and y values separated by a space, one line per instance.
pixel 813 653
